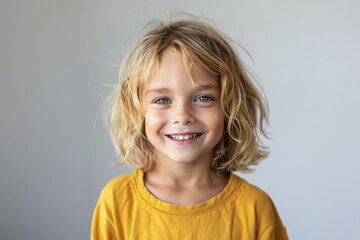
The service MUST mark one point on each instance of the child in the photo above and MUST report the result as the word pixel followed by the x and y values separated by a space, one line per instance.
pixel 185 116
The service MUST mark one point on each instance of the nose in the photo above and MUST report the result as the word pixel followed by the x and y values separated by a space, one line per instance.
pixel 183 114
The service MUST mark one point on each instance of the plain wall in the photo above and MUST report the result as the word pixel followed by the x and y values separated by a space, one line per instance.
pixel 56 155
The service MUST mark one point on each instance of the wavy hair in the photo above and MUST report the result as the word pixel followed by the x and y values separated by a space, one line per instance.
pixel 242 99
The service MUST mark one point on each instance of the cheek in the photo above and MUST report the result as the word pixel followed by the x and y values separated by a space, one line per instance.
pixel 217 125
pixel 154 120
pixel 219 122
pixel 219 117
pixel 215 120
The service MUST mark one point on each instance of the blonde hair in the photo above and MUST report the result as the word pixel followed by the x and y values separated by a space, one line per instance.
pixel 244 105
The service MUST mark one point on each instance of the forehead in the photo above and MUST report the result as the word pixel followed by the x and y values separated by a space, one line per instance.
pixel 174 68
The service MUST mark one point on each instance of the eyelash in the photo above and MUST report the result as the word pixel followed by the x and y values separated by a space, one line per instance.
pixel 204 97
pixel 162 99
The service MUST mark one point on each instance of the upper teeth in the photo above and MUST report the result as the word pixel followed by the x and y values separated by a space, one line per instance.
pixel 182 137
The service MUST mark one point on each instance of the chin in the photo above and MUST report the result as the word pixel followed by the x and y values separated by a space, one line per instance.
pixel 185 159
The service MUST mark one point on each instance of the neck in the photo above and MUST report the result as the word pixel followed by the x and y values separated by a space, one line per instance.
pixel 184 175
pixel 184 183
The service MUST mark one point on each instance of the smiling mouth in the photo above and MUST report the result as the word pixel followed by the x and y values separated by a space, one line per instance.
pixel 184 137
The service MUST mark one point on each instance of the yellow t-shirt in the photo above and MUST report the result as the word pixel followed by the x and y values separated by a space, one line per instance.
pixel 127 210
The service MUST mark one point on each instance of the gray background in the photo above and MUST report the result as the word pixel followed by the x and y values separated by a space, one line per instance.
pixel 56 155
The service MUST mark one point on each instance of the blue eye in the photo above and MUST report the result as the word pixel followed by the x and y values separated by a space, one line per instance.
pixel 162 101
pixel 203 99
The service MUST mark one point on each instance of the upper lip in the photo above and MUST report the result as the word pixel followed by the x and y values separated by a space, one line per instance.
pixel 185 133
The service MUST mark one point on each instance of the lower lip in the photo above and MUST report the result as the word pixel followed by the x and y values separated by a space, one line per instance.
pixel 183 142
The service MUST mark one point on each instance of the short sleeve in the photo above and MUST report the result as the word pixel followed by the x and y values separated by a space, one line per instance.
pixel 102 226
pixel 274 233
pixel 268 233
pixel 276 230
pixel 279 229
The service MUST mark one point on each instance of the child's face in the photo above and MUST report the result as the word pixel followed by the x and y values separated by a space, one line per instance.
pixel 182 123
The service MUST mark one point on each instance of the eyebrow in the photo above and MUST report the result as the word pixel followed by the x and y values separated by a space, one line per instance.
pixel 166 90
pixel 158 90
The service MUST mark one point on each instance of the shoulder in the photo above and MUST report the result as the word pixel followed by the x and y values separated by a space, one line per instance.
pixel 106 212
pixel 118 186
pixel 251 193
pixel 258 206
pixel 254 202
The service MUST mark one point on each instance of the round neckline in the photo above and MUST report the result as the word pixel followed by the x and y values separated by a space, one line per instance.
pixel 169 208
